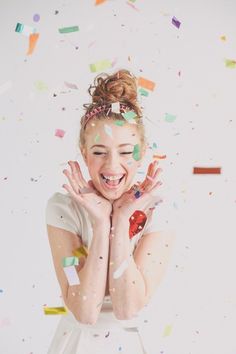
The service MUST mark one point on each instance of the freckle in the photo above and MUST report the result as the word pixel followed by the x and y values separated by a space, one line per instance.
pixel 160 263
pixel 101 257
pixel 166 245
pixel 149 254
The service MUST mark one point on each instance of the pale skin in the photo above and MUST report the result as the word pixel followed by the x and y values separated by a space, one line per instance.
pixel 110 245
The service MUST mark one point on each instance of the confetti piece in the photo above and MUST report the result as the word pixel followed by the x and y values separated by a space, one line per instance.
pixel 70 261
pixel 137 194
pixel 98 2
pixel 129 116
pixel 5 87
pixel 55 310
pixel 115 107
pixel 230 63
pixel 146 83
pixel 120 270
pixel 223 38
pixel 132 5
pixel 97 138
pixel 161 157
pixel 33 38
pixel 4 322
pixel 81 251
pixel 136 222
pixel 100 65
pixel 154 146
pixel 36 18
pixel 68 29
pixel 119 122
pixel 72 275
pixel 136 152
pixel 143 92
pixel 40 86
pixel 24 29
pixel 60 133
pixel 72 86
pixel 170 118
pixel 175 22
pixel 108 130
pixel 167 330
pixel 207 170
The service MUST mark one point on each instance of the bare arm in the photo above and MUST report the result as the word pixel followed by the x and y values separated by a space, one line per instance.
pixel 85 299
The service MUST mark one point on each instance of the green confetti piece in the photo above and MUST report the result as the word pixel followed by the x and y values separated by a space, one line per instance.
pixel 170 118
pixel 129 115
pixel 143 92
pixel 154 146
pixel 136 152
pixel 68 29
pixel 119 122
pixel 230 63
pixel 97 138
pixel 19 27
pixel 167 330
pixel 100 65
pixel 40 86
pixel 70 261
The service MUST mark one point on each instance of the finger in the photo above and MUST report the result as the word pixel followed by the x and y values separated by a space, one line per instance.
pixel 145 182
pixel 72 192
pixel 149 178
pixel 76 172
pixel 72 181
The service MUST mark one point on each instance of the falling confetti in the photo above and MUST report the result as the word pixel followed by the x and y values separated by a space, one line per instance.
pixel 68 29
pixel 60 133
pixel 36 18
pixel 33 38
pixel 146 83
pixel 72 86
pixel 120 270
pixel 98 2
pixel 170 118
pixel 55 310
pixel 40 86
pixel 70 261
pixel 207 170
pixel 175 22
pixel 230 63
pixel 5 87
pixel 24 29
pixel 143 92
pixel 136 152
pixel 167 330
pixel 100 65
pixel 72 275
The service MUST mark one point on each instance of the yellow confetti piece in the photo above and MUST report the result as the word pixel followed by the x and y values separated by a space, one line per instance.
pixel 167 330
pixel 230 63
pixel 223 38
pixel 81 251
pixel 100 65
pixel 55 310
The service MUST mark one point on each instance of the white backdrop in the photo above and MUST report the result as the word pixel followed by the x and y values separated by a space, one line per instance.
pixel 197 298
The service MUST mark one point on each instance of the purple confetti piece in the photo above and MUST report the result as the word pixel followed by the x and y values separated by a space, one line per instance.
pixel 176 22
pixel 36 18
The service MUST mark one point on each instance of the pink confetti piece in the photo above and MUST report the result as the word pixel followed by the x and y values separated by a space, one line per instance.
pixel 72 86
pixel 60 133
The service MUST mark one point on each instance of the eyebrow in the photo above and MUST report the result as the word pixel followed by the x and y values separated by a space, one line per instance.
pixel 104 146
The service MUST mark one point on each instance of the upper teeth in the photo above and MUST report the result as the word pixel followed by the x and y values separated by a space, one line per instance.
pixel 113 178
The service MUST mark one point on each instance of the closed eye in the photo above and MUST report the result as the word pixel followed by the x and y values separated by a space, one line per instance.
pixel 122 153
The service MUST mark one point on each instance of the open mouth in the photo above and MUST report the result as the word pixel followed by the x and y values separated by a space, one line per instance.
pixel 112 183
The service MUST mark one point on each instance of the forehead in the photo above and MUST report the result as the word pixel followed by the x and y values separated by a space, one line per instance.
pixel 108 133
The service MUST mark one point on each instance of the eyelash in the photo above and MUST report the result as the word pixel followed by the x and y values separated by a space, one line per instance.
pixel 100 153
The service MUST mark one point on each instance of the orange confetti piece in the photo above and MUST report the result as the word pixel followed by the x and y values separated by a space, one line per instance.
pixel 207 170
pixel 98 2
pixel 159 156
pixel 148 84
pixel 32 42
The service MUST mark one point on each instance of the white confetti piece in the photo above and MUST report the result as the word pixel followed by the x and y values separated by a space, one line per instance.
pixel 108 130
pixel 120 270
pixel 115 107
pixel 72 276
pixel 5 87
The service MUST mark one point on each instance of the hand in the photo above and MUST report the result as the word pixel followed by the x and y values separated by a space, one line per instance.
pixel 126 205
pixel 86 194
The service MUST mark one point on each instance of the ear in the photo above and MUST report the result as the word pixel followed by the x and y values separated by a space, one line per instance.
pixel 83 152
pixel 142 155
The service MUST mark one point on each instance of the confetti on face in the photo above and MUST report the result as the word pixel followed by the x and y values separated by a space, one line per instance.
pixel 55 310
pixel 36 18
pixel 97 138
pixel 136 222
pixel 70 261
pixel 72 275
pixel 68 29
pixel 175 22
pixel 119 123
pixel 120 270
pixel 60 133
pixel 136 152
pixel 170 118
pixel 108 130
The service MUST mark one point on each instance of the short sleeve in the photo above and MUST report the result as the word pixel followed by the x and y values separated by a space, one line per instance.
pixel 60 212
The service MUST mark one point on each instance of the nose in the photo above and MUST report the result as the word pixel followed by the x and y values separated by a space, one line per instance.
pixel 113 160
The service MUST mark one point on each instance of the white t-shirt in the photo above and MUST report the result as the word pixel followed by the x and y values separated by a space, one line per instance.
pixel 63 212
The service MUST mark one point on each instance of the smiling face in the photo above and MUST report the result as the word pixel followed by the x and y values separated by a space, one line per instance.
pixel 108 154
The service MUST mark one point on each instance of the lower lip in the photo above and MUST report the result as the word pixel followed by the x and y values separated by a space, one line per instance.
pixel 111 187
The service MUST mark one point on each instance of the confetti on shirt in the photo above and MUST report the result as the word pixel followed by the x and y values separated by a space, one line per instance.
pixel 100 65
pixel 176 22
pixel 68 29
pixel 230 63
pixel 145 83
pixel 170 117
pixel 207 170
pixel 72 275
pixel 136 152
pixel 55 310
pixel 60 133
pixel 120 270
pixel 24 29
pixel 70 261
pixel 33 38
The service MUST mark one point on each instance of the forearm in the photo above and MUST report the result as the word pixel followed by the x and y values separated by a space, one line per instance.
pixel 128 289
pixel 85 300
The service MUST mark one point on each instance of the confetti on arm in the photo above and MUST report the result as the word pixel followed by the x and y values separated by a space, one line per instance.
pixel 68 29
pixel 81 251
pixel 207 170
pixel 70 261
pixel 145 83
pixel 60 133
pixel 72 275
pixel 55 310
pixel 33 38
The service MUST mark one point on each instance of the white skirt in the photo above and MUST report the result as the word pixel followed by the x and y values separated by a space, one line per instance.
pixel 107 336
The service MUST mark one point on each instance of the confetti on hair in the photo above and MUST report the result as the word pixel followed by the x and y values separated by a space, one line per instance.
pixel 229 63
pixel 97 138
pixel 120 270
pixel 129 116
pixel 72 86
pixel 108 130
pixel 55 310
pixel 143 92
pixel 207 170
pixel 119 122
pixel 100 65
pixel 68 29
pixel 145 83
pixel 115 107
pixel 81 251
pixel 70 261
pixel 167 330
pixel 136 152
pixel 176 22
pixel 170 118
pixel 60 133
pixel 24 29
pixel 33 38
pixel 72 275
